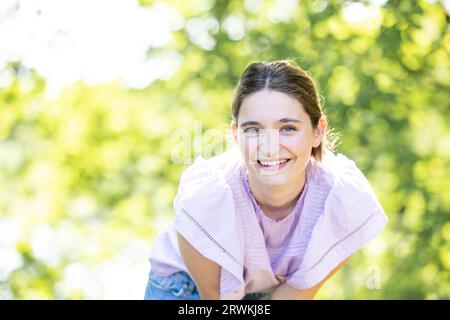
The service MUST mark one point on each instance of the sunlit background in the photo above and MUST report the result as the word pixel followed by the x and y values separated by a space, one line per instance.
pixel 93 94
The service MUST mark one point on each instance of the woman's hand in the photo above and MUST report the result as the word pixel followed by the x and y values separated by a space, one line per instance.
pixel 205 273
pixel 285 292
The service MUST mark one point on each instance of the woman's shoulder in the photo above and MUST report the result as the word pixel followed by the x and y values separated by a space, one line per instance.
pixel 210 177
pixel 205 214
pixel 348 216
pixel 351 196
pixel 338 171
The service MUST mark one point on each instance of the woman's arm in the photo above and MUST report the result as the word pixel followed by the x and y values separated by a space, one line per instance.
pixel 286 292
pixel 206 273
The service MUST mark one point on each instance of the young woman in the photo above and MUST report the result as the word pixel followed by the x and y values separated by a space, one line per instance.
pixel 274 217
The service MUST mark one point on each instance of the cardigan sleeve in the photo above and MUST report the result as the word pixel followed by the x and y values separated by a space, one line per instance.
pixel 351 217
pixel 205 217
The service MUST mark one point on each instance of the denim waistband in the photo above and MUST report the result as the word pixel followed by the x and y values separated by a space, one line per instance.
pixel 180 284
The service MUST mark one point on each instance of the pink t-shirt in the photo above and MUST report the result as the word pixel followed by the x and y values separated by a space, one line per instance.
pixel 336 214
pixel 277 233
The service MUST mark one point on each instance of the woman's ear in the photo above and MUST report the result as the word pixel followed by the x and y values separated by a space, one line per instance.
pixel 233 127
pixel 319 131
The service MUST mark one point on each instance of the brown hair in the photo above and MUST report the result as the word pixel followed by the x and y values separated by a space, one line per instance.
pixel 287 77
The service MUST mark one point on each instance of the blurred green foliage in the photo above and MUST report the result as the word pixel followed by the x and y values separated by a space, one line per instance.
pixel 89 172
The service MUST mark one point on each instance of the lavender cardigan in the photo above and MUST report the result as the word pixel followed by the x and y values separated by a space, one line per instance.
pixel 339 213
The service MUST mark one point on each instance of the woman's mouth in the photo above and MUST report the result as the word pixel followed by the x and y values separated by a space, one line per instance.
pixel 271 165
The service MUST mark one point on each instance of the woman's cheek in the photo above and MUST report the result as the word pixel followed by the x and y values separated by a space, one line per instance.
pixel 302 143
pixel 295 144
pixel 248 148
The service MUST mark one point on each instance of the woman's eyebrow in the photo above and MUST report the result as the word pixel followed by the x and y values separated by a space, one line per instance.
pixel 289 120
pixel 283 120
pixel 250 123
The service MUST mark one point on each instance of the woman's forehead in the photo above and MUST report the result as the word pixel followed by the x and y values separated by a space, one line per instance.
pixel 270 106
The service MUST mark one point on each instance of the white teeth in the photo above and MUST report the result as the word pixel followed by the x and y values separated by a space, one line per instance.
pixel 272 163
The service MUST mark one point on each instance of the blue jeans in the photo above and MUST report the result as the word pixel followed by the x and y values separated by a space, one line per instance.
pixel 180 286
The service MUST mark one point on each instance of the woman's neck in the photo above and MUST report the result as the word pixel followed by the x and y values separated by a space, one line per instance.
pixel 277 201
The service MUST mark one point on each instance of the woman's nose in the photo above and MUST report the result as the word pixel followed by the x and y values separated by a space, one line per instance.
pixel 268 144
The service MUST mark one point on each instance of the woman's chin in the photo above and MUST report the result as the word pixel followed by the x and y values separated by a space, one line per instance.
pixel 274 179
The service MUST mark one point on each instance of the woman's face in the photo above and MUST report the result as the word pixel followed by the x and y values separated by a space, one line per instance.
pixel 275 136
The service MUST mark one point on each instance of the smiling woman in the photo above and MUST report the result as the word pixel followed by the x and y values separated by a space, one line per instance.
pixel 276 137
pixel 276 216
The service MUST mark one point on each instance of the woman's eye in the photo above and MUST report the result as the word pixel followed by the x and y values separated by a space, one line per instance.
pixel 251 130
pixel 288 129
